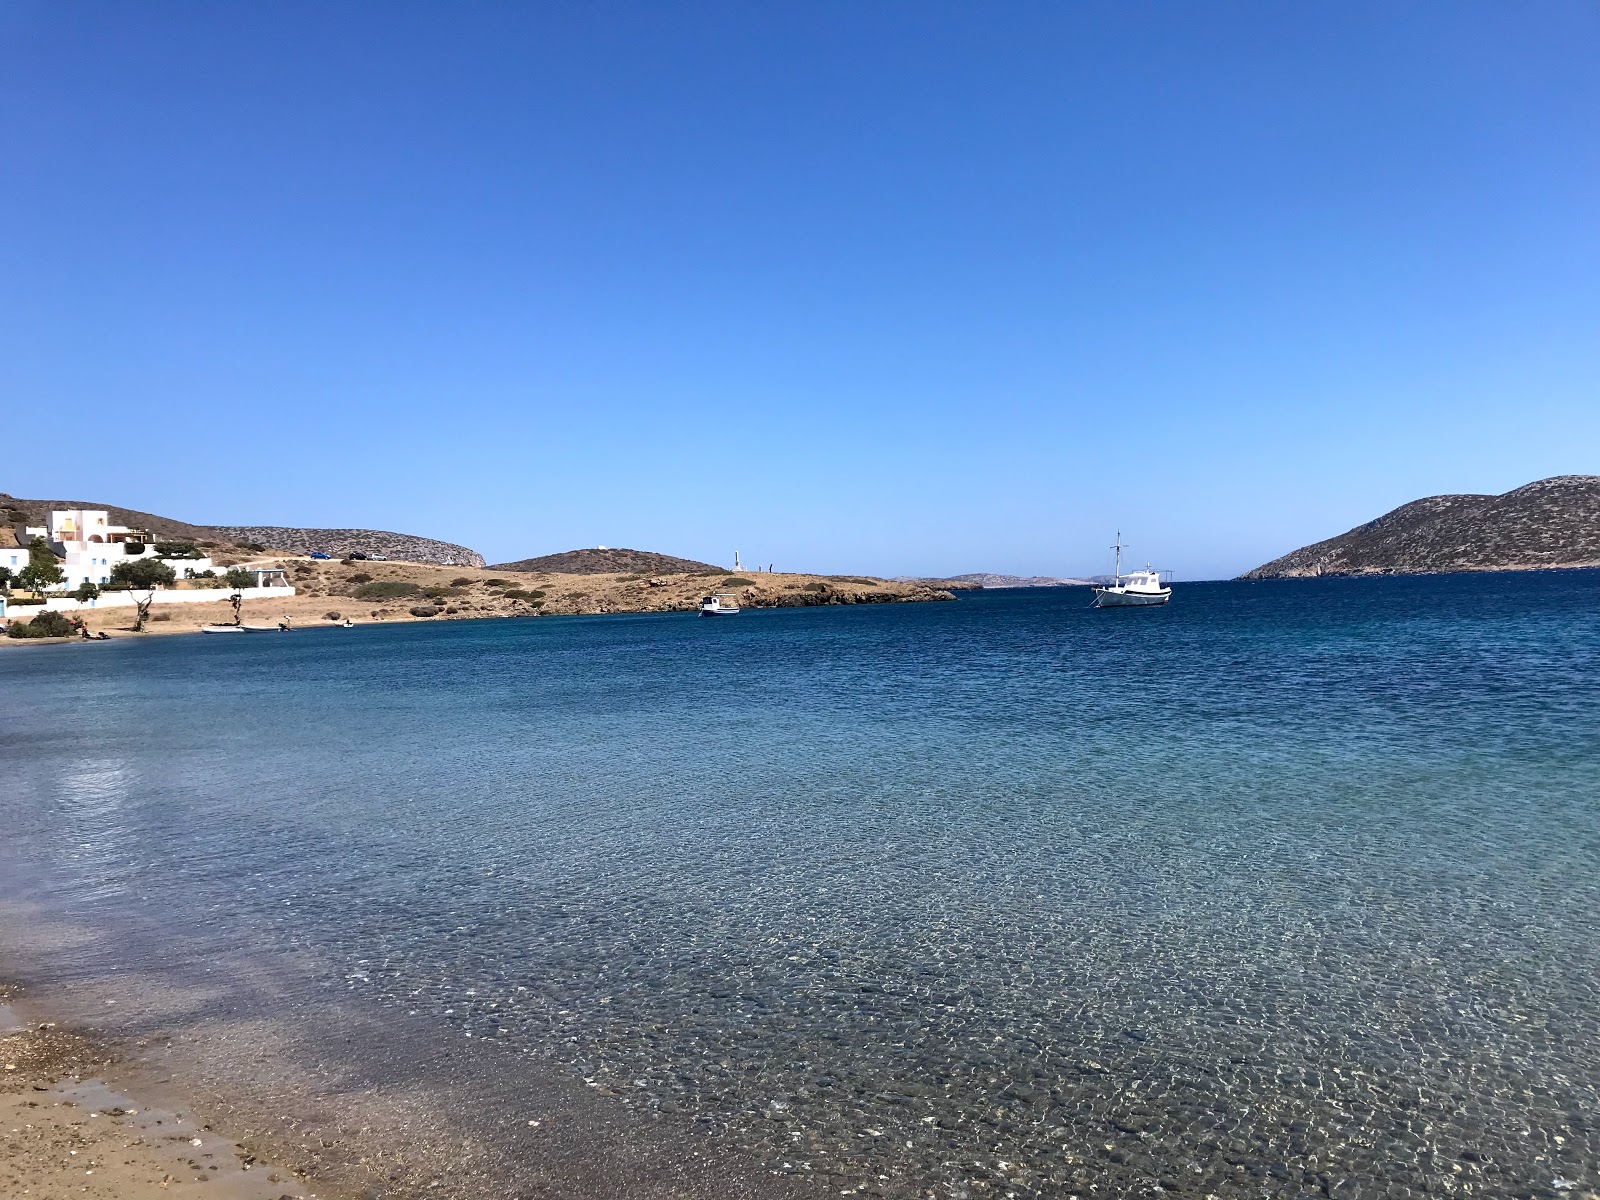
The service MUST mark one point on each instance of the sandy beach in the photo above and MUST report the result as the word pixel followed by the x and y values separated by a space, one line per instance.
pixel 81 1121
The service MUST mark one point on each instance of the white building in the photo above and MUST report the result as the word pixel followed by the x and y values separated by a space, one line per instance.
pixel 90 546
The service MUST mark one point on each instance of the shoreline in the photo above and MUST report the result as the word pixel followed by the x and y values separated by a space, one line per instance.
pixel 83 1117
pixel 422 593
pixel 116 1068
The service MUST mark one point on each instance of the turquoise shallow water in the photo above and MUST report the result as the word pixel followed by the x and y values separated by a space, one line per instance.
pixel 1286 889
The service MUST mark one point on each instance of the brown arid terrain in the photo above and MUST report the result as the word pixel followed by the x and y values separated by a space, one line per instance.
pixel 74 1122
pixel 330 592
pixel 1550 523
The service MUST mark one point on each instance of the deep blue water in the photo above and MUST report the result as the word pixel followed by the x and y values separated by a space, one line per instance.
pixel 1287 888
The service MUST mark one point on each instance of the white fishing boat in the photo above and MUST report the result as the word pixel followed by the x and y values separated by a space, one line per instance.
pixel 1135 589
pixel 713 606
pixel 222 629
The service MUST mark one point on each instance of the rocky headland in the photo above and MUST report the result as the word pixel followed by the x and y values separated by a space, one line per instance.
pixel 1546 524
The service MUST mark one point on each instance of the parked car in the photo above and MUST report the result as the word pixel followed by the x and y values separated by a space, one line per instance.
pixel 378 557
pixel 356 556
pixel 320 554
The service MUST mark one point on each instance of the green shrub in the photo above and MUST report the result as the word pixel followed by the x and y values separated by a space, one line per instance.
pixel 737 581
pixel 238 577
pixel 177 550
pixel 361 577
pixel 161 617
pixel 54 624
pixel 424 610
pixel 386 589
pixel 497 583
pixel 45 624
pixel 443 593
pixel 85 592
pixel 133 549
pixel 536 594
pixel 814 586
pixel 191 573
pixel 461 581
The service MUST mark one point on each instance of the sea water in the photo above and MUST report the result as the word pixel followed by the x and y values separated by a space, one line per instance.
pixel 1287 888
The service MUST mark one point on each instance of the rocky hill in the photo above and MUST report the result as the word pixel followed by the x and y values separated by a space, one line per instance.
pixel 1551 523
pixel 338 542
pixel 610 562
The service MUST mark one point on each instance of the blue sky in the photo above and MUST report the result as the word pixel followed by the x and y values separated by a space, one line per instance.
pixel 884 287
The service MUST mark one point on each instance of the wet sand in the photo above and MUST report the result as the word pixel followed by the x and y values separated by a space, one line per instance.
pixel 296 1098
pixel 75 1123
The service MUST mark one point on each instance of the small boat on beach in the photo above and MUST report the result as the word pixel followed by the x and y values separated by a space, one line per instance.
pixel 1143 589
pixel 712 606
pixel 222 629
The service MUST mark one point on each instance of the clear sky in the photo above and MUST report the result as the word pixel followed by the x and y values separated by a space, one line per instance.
pixel 858 287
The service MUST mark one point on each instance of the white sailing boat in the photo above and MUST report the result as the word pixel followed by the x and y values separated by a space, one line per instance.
pixel 712 606
pixel 1142 589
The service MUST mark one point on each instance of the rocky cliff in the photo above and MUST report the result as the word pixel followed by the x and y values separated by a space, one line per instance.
pixel 1551 523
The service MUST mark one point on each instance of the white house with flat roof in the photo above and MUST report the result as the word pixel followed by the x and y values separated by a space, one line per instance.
pixel 89 546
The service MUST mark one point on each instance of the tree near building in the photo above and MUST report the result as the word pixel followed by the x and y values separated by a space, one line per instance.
pixel 145 575
pixel 42 571
pixel 238 577
pixel 6 577
pixel 87 591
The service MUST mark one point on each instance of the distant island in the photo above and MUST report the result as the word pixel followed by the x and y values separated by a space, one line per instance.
pixel 601 561
pixel 1547 524
pixel 986 579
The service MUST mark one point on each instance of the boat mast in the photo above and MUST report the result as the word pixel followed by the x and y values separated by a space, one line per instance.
pixel 1118 549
